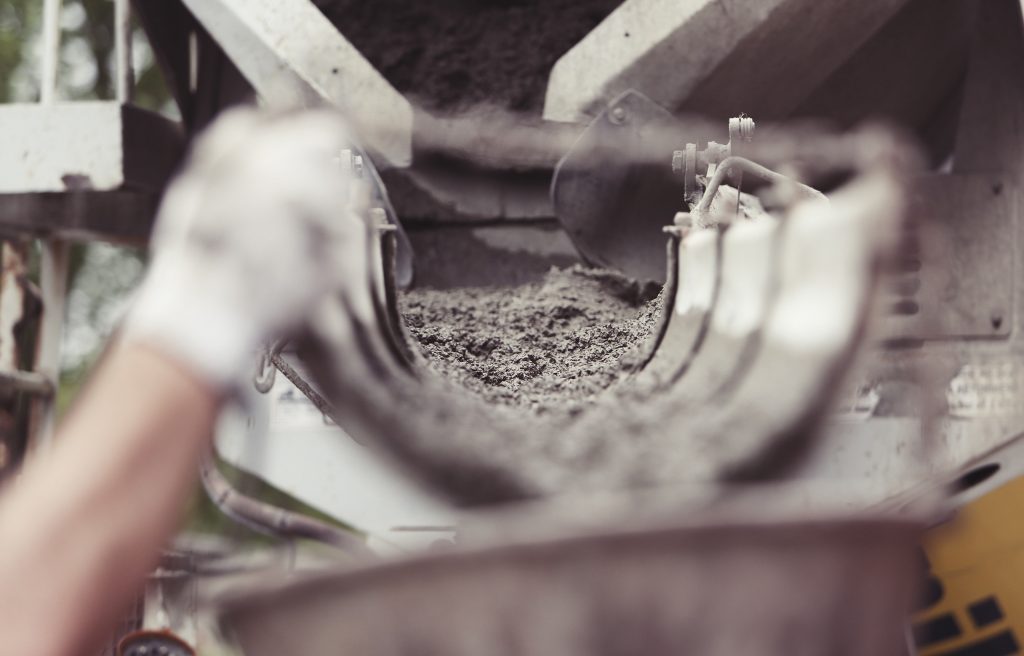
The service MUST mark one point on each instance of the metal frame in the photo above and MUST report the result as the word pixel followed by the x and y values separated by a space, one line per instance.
pixel 75 170
pixel 292 55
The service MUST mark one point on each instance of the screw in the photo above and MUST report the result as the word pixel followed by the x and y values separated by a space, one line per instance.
pixel 741 128
pixel 618 115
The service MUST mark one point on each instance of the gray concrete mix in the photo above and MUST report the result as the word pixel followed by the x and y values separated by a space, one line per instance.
pixel 545 346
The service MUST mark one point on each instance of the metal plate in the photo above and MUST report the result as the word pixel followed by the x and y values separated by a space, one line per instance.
pixel 612 207
pixel 85 146
pixel 969 290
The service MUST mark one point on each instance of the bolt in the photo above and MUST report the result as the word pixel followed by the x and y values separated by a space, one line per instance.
pixel 618 115
pixel 379 220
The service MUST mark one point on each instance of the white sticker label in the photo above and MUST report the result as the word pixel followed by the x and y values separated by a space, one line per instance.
pixel 991 389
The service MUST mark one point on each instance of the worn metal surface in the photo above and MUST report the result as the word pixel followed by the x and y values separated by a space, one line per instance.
pixel 696 280
pixel 765 585
pixel 271 520
pixel 971 291
pixel 973 348
pixel 612 206
pixel 828 263
pixel 718 58
pixel 94 145
pixel 747 286
pixel 291 54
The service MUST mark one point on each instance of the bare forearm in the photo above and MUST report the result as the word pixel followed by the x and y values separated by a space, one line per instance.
pixel 83 525
pixel 81 528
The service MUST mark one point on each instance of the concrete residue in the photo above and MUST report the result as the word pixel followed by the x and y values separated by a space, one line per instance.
pixel 450 55
pixel 547 345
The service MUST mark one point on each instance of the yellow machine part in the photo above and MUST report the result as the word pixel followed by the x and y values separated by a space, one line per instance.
pixel 975 591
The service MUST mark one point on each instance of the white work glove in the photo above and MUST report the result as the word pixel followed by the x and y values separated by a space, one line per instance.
pixel 261 224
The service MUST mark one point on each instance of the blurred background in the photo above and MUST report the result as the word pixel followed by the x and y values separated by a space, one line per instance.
pixel 102 275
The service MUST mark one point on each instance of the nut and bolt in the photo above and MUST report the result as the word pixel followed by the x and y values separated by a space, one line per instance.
pixel 618 115
pixel 350 162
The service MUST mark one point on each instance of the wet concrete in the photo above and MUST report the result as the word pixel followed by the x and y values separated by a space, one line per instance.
pixel 548 345
pixel 450 55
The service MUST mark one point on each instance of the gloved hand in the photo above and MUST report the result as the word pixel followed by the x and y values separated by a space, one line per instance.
pixel 261 224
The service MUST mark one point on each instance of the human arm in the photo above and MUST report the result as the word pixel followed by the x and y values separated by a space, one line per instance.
pixel 249 239
pixel 84 524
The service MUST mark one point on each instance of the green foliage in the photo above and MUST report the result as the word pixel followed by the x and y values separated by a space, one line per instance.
pixel 18 18
pixel 86 69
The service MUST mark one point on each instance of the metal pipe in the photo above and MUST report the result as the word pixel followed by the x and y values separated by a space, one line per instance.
pixel 29 382
pixel 271 520
pixel 123 51
pixel 51 51
pixel 755 169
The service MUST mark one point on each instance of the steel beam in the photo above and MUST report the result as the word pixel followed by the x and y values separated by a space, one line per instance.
pixel 119 216
pixel 761 57
pixel 292 55
pixel 96 146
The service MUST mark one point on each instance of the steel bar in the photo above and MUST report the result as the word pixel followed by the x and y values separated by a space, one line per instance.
pixel 291 54
pixel 271 520
pixel 712 56
pixel 125 77
pixel 51 51
pixel 27 381
pixel 85 146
